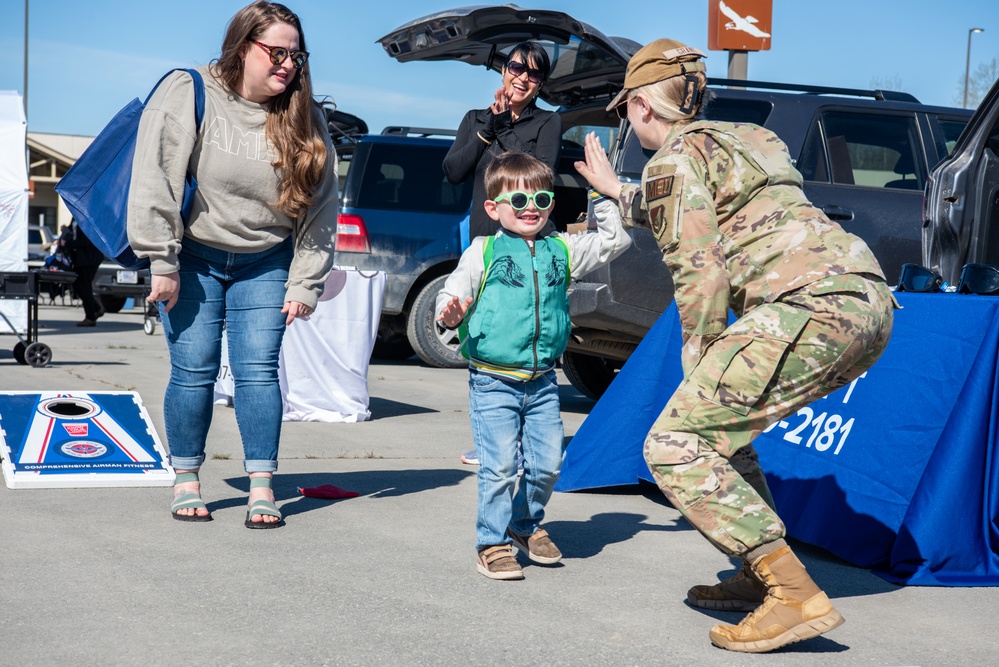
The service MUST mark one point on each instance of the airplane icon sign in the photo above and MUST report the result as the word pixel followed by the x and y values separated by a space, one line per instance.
pixel 746 24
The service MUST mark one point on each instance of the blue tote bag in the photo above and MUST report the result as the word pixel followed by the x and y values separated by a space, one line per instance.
pixel 96 187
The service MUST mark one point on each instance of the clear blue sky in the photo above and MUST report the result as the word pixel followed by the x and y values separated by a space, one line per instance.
pixel 87 59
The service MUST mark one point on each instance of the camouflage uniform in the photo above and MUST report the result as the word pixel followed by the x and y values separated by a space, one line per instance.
pixel 814 312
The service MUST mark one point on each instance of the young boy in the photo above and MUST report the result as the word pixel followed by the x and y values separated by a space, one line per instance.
pixel 516 312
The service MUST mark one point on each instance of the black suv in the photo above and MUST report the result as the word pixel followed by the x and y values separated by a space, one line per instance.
pixel 962 198
pixel 865 156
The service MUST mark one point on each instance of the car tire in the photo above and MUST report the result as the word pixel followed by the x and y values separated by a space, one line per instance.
pixel 590 375
pixel 433 345
pixel 111 303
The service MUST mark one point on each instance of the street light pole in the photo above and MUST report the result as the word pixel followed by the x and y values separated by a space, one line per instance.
pixel 967 65
pixel 27 151
pixel 25 59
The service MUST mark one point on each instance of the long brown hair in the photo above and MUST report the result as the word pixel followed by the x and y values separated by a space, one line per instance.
pixel 292 127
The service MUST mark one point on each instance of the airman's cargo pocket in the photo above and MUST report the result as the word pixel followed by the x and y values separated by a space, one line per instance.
pixel 739 366
pixel 677 466
pixel 850 283
pixel 670 448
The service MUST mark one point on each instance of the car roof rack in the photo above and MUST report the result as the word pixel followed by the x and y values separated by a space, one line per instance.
pixel 343 127
pixel 883 95
pixel 406 131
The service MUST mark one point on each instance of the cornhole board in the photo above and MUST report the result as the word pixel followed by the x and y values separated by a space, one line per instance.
pixel 75 439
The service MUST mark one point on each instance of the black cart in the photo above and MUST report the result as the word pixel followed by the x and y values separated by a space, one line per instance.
pixel 24 286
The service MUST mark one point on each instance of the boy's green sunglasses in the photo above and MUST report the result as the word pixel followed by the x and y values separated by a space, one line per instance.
pixel 542 199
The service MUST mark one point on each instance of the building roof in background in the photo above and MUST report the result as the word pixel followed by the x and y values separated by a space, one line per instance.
pixel 65 147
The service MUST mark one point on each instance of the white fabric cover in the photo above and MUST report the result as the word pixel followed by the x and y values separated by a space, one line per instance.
pixel 324 360
pixel 13 204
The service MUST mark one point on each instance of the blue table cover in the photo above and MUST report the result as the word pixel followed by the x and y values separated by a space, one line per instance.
pixel 896 472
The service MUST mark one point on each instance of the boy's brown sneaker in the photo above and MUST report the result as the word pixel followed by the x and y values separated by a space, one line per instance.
pixel 538 547
pixel 498 563
pixel 742 592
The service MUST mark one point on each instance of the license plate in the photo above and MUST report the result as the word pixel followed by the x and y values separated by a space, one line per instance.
pixel 128 277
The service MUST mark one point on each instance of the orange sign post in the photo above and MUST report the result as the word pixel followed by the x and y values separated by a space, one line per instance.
pixel 739 25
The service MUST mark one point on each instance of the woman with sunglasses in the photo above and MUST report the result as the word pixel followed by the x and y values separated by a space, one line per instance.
pixel 513 122
pixel 814 313
pixel 258 243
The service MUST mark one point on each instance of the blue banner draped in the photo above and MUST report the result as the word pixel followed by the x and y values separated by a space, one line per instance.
pixel 895 472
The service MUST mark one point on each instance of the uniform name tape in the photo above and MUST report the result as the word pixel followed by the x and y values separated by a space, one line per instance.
pixel 658 188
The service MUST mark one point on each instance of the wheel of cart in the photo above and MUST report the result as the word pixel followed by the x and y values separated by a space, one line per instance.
pixel 149 321
pixel 38 355
pixel 150 317
pixel 34 354
pixel 24 286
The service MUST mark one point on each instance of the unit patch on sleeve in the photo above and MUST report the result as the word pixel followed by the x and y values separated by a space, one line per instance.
pixel 657 220
pixel 662 199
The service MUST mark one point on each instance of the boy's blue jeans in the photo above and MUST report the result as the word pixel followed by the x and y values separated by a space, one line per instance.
pixel 502 413
pixel 244 291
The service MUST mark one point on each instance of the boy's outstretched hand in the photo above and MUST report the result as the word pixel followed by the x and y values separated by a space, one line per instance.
pixel 454 311
pixel 597 169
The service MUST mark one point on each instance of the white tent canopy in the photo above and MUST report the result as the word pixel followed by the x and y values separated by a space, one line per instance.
pixel 13 202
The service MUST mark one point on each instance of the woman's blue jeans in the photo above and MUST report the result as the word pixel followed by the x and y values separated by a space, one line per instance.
pixel 245 292
pixel 503 413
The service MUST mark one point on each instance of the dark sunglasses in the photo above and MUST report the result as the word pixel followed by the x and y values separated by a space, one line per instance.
pixel 915 278
pixel 518 68
pixel 542 199
pixel 979 279
pixel 279 53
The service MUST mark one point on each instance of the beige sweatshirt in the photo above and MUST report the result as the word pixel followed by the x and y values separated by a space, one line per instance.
pixel 234 206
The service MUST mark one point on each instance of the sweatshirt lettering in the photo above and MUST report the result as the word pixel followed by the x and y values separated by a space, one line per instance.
pixel 235 141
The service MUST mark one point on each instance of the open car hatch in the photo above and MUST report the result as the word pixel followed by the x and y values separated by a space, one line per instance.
pixel 586 64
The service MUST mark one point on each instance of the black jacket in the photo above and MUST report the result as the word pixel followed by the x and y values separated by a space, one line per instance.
pixel 536 132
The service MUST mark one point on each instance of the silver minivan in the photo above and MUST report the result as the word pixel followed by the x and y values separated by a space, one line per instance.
pixel 961 202
pixel 39 242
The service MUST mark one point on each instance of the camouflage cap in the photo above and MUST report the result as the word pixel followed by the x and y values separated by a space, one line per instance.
pixel 657 61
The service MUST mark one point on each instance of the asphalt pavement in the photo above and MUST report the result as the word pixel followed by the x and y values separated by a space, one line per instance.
pixel 104 576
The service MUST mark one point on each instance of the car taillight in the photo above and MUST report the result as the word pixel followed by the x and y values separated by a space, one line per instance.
pixel 351 234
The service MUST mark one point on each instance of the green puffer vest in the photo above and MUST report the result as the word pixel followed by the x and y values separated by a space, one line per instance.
pixel 521 317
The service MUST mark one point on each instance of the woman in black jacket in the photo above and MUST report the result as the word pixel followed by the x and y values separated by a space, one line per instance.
pixel 513 122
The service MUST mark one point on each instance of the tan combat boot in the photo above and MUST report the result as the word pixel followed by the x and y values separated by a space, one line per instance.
pixel 741 592
pixel 794 608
